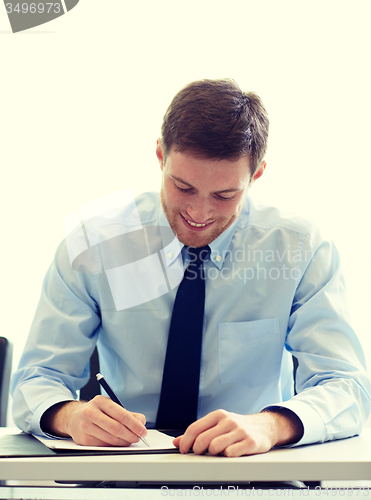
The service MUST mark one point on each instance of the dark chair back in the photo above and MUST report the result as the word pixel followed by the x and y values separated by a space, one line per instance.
pixel 92 388
pixel 296 364
pixel 5 371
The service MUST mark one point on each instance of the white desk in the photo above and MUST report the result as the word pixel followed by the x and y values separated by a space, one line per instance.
pixel 348 459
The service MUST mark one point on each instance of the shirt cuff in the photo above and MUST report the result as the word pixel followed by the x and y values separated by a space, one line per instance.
pixel 312 423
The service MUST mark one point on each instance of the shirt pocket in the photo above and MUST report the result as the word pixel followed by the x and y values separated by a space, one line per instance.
pixel 250 352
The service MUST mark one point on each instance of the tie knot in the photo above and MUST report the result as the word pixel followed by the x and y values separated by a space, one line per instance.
pixel 198 255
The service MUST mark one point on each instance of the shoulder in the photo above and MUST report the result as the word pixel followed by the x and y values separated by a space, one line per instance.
pixel 148 207
pixel 105 220
pixel 112 215
pixel 269 220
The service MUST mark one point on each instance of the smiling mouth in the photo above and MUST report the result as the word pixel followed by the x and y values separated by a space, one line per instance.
pixel 195 224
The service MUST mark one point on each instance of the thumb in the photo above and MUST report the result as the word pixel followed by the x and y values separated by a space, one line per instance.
pixel 140 417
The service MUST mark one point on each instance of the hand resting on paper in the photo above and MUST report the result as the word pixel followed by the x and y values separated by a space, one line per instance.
pixel 234 435
pixel 99 422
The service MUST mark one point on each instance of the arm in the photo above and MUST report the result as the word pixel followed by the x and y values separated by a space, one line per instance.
pixel 54 366
pixel 333 399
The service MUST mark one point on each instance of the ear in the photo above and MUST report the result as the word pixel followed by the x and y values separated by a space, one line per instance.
pixel 258 173
pixel 159 153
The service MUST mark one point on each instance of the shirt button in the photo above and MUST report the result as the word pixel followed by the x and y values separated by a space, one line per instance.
pixel 218 258
pixel 169 255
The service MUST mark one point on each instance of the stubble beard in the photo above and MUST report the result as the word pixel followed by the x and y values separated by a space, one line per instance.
pixel 198 239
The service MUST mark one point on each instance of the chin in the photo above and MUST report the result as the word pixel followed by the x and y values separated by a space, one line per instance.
pixel 199 239
pixel 190 238
pixel 194 241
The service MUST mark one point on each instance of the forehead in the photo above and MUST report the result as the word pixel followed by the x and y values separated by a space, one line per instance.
pixel 221 174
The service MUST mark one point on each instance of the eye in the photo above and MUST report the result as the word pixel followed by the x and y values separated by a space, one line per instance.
pixel 224 198
pixel 183 190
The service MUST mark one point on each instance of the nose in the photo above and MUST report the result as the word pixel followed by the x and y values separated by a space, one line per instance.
pixel 200 211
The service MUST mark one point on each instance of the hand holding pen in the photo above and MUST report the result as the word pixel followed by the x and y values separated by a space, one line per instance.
pixel 114 398
pixel 98 422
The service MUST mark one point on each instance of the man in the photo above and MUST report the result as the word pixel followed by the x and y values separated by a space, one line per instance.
pixel 273 289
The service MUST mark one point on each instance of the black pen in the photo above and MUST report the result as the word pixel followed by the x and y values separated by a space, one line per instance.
pixel 114 398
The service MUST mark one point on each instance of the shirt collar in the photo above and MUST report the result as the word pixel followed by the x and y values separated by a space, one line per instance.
pixel 220 246
pixel 173 249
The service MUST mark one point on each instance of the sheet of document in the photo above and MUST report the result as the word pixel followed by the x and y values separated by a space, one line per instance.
pixel 157 441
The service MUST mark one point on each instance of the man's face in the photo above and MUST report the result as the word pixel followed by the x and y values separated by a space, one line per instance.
pixel 202 197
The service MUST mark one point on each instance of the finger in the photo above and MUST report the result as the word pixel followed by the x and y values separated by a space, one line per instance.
pixel 197 428
pixel 225 440
pixel 140 417
pixel 240 443
pixel 208 421
pixel 96 436
pixel 176 441
pixel 134 423
pixel 114 431
pixel 112 419
pixel 240 449
pixel 208 440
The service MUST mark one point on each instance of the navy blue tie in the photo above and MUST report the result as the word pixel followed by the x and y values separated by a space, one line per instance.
pixel 181 377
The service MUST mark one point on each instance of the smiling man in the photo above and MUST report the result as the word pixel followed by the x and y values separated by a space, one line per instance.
pixel 200 208
pixel 268 287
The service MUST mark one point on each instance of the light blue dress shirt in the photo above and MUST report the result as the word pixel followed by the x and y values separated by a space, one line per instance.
pixel 273 289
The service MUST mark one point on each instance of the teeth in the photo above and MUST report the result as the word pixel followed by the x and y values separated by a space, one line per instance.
pixel 196 225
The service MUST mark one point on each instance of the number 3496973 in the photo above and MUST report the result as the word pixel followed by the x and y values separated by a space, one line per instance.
pixel 34 8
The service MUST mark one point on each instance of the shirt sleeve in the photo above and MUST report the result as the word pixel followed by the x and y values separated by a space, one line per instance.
pixel 333 399
pixel 54 364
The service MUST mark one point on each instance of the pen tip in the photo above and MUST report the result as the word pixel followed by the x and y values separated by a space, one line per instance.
pixel 144 441
pixel 99 376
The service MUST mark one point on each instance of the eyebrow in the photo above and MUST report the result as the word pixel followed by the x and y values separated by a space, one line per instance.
pixel 231 190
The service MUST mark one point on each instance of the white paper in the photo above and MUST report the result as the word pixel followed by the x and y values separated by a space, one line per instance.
pixel 157 441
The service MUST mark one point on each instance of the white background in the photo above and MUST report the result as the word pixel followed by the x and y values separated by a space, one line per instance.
pixel 82 100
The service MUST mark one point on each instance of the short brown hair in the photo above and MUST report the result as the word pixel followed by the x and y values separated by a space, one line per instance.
pixel 215 119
